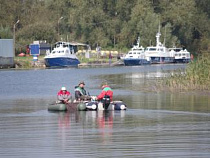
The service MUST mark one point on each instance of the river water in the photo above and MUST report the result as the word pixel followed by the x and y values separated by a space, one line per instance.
pixel 156 124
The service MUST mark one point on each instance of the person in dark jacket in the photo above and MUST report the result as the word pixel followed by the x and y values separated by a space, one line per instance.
pixel 63 95
pixel 80 92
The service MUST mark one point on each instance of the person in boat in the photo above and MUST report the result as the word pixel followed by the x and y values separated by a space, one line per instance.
pixel 63 96
pixel 80 92
pixel 106 95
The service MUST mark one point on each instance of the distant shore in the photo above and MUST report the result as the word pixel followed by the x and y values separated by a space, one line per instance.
pixel 28 63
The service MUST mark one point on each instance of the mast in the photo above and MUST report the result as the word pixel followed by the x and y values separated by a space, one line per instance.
pixel 158 36
pixel 164 43
pixel 138 41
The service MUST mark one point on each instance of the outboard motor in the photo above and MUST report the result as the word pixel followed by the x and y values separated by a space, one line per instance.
pixel 106 101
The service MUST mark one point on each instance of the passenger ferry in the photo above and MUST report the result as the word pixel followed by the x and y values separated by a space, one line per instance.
pixel 180 55
pixel 159 53
pixel 135 56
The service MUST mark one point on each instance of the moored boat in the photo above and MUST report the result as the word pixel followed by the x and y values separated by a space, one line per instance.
pixel 63 55
pixel 180 55
pixel 159 54
pixel 135 56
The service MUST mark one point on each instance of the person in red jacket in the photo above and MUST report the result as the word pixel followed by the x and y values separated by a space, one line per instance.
pixel 106 95
pixel 106 91
pixel 63 95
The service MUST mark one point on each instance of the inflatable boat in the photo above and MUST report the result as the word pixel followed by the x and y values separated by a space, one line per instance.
pixel 87 106
pixel 67 107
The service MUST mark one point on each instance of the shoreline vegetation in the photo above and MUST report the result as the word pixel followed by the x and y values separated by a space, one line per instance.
pixel 195 78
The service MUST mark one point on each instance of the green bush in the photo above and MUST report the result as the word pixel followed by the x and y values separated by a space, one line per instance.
pixel 195 77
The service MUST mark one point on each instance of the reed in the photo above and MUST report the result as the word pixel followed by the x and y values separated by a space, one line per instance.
pixel 195 77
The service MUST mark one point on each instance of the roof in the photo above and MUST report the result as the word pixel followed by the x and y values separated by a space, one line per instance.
pixel 72 43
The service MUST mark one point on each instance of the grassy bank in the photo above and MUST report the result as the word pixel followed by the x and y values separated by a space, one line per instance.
pixel 195 77
pixel 27 62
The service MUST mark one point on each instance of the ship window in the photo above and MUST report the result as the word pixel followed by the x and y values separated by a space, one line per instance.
pixel 152 49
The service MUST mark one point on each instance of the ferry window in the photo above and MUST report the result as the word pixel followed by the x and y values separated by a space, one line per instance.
pixel 152 49
pixel 183 54
pixel 134 53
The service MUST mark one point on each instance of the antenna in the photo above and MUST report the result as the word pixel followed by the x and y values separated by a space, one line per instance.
pixel 164 43
pixel 159 27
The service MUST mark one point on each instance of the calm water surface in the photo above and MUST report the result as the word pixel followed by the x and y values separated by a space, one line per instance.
pixel 155 124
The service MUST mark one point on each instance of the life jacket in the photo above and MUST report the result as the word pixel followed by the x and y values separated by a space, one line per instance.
pixel 81 90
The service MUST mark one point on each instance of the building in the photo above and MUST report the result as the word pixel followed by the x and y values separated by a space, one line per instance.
pixel 6 53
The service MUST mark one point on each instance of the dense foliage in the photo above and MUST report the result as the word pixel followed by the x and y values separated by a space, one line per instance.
pixel 195 77
pixel 108 23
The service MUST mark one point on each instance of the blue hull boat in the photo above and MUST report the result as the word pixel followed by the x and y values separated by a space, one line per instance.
pixel 136 56
pixel 61 62
pixel 63 55
pixel 133 62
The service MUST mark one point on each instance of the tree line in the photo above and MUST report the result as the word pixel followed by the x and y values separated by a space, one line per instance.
pixel 110 24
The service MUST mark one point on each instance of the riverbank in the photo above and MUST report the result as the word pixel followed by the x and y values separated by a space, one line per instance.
pixel 196 77
pixel 27 62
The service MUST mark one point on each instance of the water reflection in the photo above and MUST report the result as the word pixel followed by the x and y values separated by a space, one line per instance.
pixel 100 121
pixel 105 125
pixel 169 101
